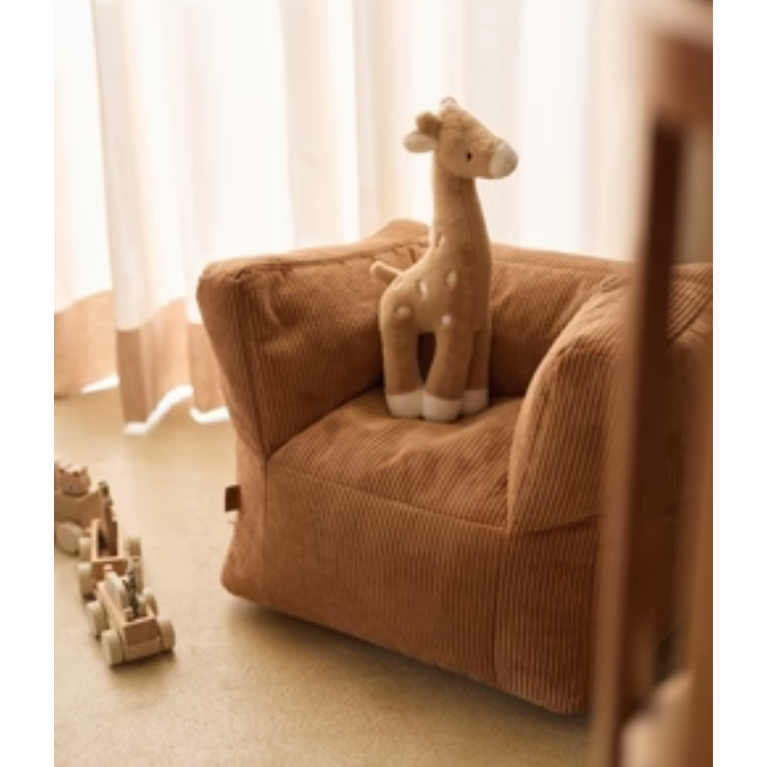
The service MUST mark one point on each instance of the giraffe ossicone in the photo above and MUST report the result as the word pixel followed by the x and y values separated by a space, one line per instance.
pixel 450 282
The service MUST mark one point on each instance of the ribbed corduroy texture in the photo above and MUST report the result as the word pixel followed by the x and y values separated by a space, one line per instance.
pixel 440 469
pixel 474 545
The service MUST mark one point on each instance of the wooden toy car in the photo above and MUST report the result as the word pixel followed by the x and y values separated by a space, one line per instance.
pixel 125 618
pixel 76 503
pixel 107 548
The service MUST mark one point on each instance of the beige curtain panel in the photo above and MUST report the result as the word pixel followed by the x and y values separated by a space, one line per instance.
pixel 188 131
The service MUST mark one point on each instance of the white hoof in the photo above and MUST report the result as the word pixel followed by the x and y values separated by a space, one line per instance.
pixel 68 537
pixel 405 405
pixel 474 401
pixel 440 410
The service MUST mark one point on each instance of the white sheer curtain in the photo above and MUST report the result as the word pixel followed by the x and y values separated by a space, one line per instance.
pixel 192 130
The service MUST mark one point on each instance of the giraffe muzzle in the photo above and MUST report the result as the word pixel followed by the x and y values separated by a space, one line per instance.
pixel 504 161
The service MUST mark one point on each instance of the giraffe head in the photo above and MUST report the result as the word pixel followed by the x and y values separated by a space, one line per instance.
pixel 463 146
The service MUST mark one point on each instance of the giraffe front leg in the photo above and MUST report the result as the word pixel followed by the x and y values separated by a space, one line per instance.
pixel 442 398
pixel 402 376
pixel 475 398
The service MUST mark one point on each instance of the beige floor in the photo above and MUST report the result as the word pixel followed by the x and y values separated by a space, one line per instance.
pixel 247 686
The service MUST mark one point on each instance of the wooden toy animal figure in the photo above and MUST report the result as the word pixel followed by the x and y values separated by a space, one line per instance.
pixel 447 291
pixel 71 479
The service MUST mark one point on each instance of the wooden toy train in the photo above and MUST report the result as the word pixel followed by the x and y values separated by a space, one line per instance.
pixel 121 612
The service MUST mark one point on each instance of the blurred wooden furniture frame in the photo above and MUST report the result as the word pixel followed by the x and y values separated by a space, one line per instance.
pixel 676 39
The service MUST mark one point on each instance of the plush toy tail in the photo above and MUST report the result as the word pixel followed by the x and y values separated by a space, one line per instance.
pixel 384 272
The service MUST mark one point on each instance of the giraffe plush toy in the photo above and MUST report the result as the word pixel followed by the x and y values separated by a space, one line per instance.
pixel 447 291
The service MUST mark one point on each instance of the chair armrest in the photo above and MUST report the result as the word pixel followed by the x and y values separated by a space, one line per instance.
pixel 534 295
pixel 296 335
pixel 559 458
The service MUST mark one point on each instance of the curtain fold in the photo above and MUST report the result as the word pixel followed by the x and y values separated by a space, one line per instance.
pixel 193 130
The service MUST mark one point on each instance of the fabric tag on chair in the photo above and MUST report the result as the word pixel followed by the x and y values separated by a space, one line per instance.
pixel 232 498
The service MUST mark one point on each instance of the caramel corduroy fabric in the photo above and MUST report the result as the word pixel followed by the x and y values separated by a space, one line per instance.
pixel 472 545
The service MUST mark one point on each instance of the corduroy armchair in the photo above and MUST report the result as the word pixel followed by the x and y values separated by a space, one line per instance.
pixel 474 545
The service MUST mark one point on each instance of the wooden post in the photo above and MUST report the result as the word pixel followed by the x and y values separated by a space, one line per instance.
pixel 677 39
pixel 630 588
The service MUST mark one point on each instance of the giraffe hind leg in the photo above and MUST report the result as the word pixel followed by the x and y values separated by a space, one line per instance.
pixel 402 375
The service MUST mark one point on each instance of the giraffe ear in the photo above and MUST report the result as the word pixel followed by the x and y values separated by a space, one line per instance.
pixel 425 138
pixel 419 142
pixel 428 122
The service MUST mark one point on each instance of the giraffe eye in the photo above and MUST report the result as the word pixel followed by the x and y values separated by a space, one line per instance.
pixel 468 156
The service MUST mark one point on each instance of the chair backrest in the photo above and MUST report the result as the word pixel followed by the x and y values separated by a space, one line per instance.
pixel 534 295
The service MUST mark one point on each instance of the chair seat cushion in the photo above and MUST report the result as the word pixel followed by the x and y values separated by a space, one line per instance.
pixel 456 470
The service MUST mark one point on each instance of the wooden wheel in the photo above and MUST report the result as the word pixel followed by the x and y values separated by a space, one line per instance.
pixel 112 646
pixel 97 618
pixel 85 578
pixel 67 537
pixel 167 634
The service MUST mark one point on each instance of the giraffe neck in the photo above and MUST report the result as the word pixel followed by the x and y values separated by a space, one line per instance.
pixel 461 239
pixel 458 213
